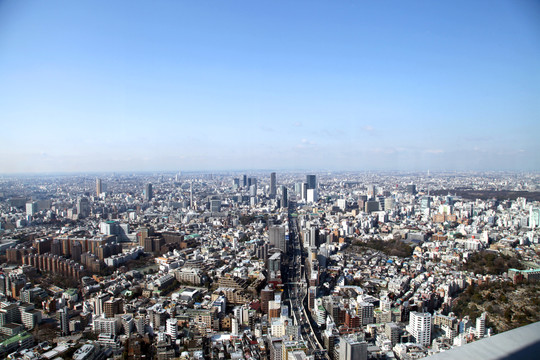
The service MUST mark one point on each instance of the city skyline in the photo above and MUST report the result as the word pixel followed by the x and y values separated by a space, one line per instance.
pixel 132 86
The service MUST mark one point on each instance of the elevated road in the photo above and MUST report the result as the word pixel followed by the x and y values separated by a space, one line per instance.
pixel 297 288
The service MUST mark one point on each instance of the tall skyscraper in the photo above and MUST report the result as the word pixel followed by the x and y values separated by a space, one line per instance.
pixel 148 192
pixel 272 185
pixel 284 197
pixel 251 181
pixel 311 181
pixel 99 189
pixel 303 191
pixel 191 195
pixel 83 207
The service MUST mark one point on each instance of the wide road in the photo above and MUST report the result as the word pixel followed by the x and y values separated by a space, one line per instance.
pixel 297 286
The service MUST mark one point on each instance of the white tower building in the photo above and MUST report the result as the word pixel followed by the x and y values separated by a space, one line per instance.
pixel 420 327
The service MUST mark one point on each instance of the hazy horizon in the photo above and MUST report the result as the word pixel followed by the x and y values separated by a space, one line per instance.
pixel 134 86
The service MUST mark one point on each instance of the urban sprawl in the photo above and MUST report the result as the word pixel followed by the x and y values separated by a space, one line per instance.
pixel 263 265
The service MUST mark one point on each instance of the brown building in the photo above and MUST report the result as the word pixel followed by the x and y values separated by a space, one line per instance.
pixel 112 307
pixel 42 246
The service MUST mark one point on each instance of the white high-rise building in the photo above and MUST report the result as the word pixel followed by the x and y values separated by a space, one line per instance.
pixel 31 208
pixel 172 328
pixel 234 327
pixel 103 325
pixel 534 217
pixel 311 196
pixel 420 327
pixel 239 314
pixel 99 303
pixel 303 191
pixel 481 326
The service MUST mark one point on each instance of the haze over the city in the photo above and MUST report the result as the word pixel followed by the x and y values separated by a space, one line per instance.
pixel 176 85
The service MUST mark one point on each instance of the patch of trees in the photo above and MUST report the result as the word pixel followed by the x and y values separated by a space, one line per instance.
pixel 508 305
pixel 246 219
pixel 487 262
pixel 490 194
pixel 391 247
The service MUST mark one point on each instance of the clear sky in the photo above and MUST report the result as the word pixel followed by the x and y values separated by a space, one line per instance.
pixel 132 85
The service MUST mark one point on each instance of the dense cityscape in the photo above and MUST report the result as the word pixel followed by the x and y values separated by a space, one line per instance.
pixel 265 265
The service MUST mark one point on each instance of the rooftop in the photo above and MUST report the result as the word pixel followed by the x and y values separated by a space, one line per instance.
pixel 521 343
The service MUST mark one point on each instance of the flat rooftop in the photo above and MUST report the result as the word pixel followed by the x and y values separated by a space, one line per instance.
pixel 521 343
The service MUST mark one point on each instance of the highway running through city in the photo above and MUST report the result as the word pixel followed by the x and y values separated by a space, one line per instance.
pixel 297 287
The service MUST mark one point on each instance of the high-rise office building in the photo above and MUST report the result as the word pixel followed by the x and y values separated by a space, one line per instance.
pixel 425 202
pixel 351 348
pixel 420 327
pixel 253 190
pixel 31 208
pixel 371 191
pixel 371 206
pixel 303 191
pixel 311 196
pixel 411 189
pixel 83 207
pixel 276 235
pixel 272 185
pixel 311 181
pixel 244 180
pixel 251 181
pixel 215 206
pixel 284 197
pixel 148 192
pixel 99 187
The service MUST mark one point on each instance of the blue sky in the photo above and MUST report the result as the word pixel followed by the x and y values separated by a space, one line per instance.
pixel 216 85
